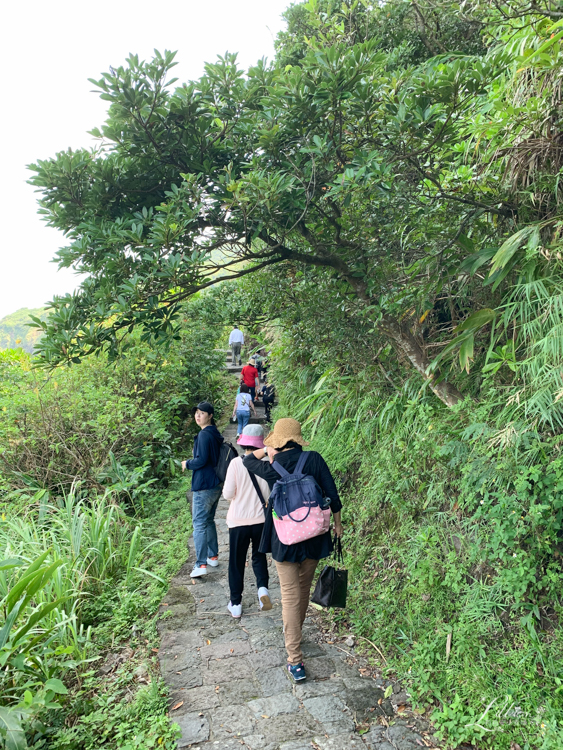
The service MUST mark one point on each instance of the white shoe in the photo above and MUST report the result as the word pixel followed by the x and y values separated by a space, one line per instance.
pixel 235 609
pixel 213 561
pixel 264 599
pixel 199 570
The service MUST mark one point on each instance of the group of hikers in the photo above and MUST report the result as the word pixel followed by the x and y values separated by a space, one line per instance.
pixel 250 383
pixel 281 500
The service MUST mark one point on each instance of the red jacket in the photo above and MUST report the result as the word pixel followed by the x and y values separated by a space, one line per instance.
pixel 249 375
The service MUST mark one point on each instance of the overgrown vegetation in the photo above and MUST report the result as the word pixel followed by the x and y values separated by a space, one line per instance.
pixel 61 426
pixel 81 591
pixel 93 524
pixel 453 544
pixel 385 199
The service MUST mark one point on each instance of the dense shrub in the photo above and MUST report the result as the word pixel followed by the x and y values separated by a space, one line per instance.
pixel 67 424
pixel 453 544
pixel 93 522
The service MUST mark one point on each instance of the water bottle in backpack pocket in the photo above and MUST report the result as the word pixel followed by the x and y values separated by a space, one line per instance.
pixel 299 510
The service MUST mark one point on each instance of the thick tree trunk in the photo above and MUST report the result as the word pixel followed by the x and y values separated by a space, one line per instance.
pixel 402 337
pixel 407 345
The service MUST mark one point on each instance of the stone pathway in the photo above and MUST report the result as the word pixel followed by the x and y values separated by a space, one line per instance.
pixel 229 687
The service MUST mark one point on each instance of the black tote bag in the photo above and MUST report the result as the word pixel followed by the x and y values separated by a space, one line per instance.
pixel 332 585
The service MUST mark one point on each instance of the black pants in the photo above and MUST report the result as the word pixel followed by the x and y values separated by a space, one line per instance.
pixel 268 403
pixel 240 538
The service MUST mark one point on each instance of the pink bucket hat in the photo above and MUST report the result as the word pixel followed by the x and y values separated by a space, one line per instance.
pixel 253 434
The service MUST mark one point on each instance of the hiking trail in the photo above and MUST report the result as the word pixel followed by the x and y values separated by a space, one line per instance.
pixel 228 682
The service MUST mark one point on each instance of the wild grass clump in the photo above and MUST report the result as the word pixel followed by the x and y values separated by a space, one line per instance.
pixel 89 490
pixel 55 557
pixel 454 545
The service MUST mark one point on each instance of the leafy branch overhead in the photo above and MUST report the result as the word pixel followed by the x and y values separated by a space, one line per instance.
pixel 378 172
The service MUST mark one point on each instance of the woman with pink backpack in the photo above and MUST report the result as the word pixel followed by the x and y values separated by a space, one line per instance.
pixel 298 535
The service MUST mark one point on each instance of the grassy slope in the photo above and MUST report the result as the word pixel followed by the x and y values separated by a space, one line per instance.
pixel 14 331
pixel 118 699
pixel 121 700
pixel 422 575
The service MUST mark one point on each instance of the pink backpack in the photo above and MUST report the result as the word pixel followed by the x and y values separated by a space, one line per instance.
pixel 299 510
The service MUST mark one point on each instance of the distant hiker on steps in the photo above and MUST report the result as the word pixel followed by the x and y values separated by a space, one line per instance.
pixel 296 563
pixel 241 410
pixel 245 520
pixel 206 489
pixel 236 341
pixel 249 377
pixel 268 398
pixel 258 362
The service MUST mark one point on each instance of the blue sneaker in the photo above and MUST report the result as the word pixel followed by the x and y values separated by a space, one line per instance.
pixel 297 672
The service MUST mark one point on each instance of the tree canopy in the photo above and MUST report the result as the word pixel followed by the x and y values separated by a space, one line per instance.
pixel 390 149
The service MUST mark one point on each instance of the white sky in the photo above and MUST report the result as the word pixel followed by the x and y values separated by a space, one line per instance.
pixel 48 51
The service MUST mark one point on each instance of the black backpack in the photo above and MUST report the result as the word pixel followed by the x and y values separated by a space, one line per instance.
pixel 227 452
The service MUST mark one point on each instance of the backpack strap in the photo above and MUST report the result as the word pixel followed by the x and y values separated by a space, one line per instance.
pixel 301 463
pixel 279 468
pixel 298 468
pixel 257 488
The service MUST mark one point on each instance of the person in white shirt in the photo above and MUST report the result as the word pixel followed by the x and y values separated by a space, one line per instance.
pixel 245 520
pixel 236 340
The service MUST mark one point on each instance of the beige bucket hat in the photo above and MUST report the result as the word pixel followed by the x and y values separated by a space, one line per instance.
pixel 285 430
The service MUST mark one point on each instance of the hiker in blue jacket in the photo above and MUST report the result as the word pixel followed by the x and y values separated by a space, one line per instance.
pixel 206 489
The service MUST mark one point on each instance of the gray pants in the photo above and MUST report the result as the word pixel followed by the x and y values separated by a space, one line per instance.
pixel 235 347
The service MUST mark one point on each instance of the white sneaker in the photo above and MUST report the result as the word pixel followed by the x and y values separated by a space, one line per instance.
pixel 213 561
pixel 264 599
pixel 235 609
pixel 199 570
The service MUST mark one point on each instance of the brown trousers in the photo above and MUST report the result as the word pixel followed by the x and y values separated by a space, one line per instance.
pixel 295 582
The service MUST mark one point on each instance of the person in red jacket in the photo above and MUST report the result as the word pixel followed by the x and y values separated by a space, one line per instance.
pixel 249 376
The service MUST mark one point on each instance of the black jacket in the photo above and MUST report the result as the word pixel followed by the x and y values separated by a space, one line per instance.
pixel 312 549
pixel 207 444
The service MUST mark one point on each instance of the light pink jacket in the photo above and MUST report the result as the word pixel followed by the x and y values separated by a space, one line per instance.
pixel 245 508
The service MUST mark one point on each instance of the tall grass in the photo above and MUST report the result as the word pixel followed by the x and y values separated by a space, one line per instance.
pixel 55 555
pixel 449 538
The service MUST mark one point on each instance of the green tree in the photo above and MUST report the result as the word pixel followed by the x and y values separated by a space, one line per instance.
pixel 229 175
pixel 340 163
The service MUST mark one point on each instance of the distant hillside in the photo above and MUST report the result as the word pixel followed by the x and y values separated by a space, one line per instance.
pixel 14 332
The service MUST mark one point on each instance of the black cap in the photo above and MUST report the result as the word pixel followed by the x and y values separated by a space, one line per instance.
pixel 204 406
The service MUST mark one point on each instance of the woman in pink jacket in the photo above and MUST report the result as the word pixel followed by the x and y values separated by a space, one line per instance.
pixel 245 520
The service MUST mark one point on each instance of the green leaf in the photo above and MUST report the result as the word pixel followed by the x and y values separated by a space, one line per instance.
pixel 27 576
pixel 148 573
pixel 11 562
pixel 56 686
pixel 476 320
pixel 388 691
pixel 11 729
pixel 466 353
pixel 37 617
pixel 510 247
pixel 5 632
pixel 546 45
pixel 41 581
pixel 473 262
